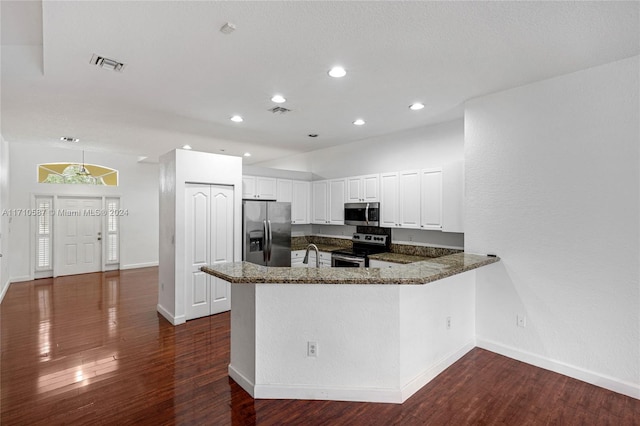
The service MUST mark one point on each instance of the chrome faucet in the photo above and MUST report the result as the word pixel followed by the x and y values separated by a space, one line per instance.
pixel 306 255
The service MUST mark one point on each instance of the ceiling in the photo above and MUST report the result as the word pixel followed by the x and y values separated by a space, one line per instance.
pixel 184 78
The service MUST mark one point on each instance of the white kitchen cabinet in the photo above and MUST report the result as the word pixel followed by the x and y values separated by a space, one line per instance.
pixel 300 202
pixel 400 199
pixel 297 256
pixel 431 199
pixel 325 259
pixel 328 201
pixel 453 197
pixel 389 200
pixel 284 190
pixel 382 264
pixel 259 187
pixel 363 189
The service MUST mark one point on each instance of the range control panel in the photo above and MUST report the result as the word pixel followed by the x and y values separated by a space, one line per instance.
pixel 369 239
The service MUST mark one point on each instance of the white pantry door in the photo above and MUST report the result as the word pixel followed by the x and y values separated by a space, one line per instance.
pixel 209 223
pixel 78 236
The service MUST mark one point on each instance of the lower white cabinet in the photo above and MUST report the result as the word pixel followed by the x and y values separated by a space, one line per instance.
pixel 297 256
pixel 381 264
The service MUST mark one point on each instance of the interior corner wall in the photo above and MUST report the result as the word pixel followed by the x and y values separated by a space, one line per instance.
pixel 5 260
pixel 552 187
pixel 422 147
pixel 138 192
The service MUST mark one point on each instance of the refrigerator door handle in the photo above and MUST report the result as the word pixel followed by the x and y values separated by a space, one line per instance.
pixel 270 240
pixel 265 249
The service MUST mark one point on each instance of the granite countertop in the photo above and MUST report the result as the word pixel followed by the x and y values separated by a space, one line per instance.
pixel 413 273
pixel 399 257
pixel 321 247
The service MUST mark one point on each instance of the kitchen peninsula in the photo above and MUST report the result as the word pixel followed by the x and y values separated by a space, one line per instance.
pixel 352 334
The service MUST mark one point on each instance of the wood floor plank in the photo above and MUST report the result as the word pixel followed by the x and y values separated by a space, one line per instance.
pixel 91 349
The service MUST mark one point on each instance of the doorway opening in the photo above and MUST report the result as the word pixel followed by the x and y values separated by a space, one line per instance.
pixel 75 235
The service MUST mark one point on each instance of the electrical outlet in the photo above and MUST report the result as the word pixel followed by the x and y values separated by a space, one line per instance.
pixel 410 237
pixel 312 349
pixel 448 323
pixel 521 320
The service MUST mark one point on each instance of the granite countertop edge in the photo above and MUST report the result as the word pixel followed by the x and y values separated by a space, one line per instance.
pixel 416 273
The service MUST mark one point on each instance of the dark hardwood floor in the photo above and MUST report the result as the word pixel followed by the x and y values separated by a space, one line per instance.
pixel 91 349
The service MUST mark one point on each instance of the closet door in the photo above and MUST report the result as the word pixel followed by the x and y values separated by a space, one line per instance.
pixel 198 250
pixel 209 231
pixel 221 220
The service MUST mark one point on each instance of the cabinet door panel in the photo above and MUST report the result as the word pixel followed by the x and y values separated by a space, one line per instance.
pixel 320 193
pixel 409 199
pixel 284 192
pixel 354 193
pixel 389 200
pixel 336 201
pixel 431 196
pixel 266 188
pixel 300 203
pixel 370 191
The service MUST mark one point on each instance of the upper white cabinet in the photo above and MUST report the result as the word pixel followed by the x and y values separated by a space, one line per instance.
pixel 259 187
pixel 431 199
pixel 284 190
pixel 328 201
pixel 400 199
pixel 389 200
pixel 300 202
pixel 363 189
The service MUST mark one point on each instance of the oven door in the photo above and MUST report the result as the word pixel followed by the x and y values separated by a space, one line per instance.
pixel 342 261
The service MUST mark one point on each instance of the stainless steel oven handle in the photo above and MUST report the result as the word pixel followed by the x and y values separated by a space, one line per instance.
pixel 366 214
pixel 358 260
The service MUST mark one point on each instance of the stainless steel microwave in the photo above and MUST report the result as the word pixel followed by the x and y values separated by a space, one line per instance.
pixel 362 214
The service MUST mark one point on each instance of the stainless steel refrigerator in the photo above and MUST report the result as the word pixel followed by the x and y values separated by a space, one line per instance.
pixel 267 233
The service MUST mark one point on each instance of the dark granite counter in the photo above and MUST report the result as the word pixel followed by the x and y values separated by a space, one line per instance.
pixel 398 258
pixel 412 273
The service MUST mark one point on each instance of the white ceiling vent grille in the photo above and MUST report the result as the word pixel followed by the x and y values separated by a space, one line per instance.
pixel 106 63
pixel 279 110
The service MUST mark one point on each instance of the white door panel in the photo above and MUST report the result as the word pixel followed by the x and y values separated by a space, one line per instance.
pixel 79 242
pixel 209 223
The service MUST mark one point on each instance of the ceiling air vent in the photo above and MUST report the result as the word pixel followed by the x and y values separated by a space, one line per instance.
pixel 279 110
pixel 106 63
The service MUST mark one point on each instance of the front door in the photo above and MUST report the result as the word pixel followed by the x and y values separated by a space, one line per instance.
pixel 78 236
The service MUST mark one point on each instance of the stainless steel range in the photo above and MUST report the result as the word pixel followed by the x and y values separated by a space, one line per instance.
pixel 363 246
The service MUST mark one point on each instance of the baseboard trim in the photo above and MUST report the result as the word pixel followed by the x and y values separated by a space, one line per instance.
pixel 180 319
pixel 21 279
pixel 139 265
pixel 5 288
pixel 240 379
pixel 431 373
pixel 600 380
pixel 314 392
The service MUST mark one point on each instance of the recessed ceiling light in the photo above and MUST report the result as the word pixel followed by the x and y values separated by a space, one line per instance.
pixel 359 122
pixel 69 139
pixel 186 147
pixel 247 154
pixel 337 72
pixel 278 99
pixel 237 119
pixel 417 106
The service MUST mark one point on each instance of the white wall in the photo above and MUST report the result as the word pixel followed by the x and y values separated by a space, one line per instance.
pixel 423 147
pixel 553 187
pixel 138 191
pixel 4 219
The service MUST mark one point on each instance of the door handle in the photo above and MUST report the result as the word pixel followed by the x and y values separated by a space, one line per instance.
pixel 266 241
pixel 270 240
